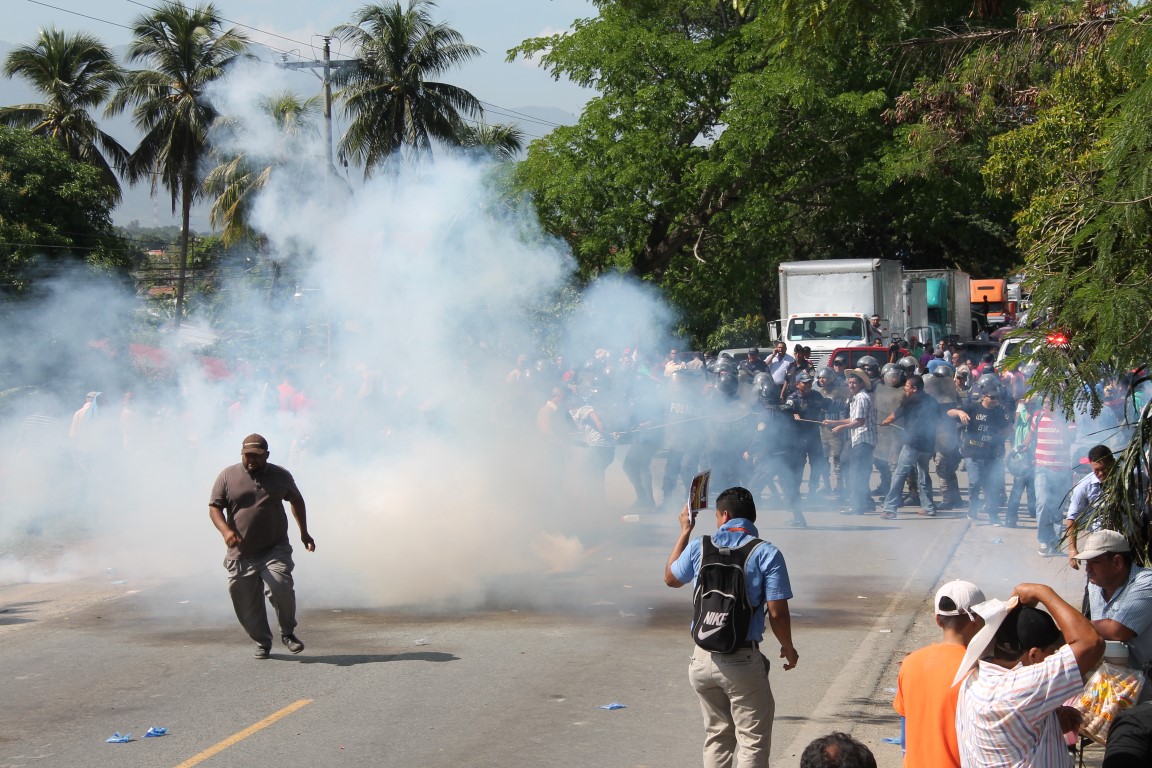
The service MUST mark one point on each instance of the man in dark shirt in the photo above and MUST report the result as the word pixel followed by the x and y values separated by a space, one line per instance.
pixel 986 423
pixel 919 414
pixel 247 508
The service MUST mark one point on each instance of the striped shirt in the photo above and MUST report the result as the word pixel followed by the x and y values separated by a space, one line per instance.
pixel 1053 437
pixel 1007 717
pixel 860 407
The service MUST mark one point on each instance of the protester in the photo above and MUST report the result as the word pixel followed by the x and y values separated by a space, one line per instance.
pixel 1052 437
pixel 920 416
pixel 734 691
pixel 247 508
pixel 925 695
pixel 1084 495
pixel 1011 710
pixel 857 455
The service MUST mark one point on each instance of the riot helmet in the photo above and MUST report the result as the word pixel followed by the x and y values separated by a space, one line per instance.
pixel 728 382
pixel 909 364
pixel 892 374
pixel 945 371
pixel 870 366
pixel 987 384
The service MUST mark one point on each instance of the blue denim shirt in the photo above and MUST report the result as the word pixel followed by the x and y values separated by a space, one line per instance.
pixel 766 572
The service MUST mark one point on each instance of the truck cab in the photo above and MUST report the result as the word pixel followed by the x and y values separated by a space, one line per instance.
pixel 825 332
pixel 989 298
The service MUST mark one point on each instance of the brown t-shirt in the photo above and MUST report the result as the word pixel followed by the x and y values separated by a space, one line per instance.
pixel 254 506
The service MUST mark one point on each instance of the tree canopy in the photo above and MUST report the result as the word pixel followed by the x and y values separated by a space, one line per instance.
pixel 54 213
pixel 75 73
pixel 728 137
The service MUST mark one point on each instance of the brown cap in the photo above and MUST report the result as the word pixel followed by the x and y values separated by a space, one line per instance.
pixel 255 444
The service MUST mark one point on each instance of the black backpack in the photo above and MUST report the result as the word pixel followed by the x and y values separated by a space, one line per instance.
pixel 721 611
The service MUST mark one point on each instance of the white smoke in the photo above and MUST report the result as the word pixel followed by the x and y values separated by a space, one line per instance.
pixel 388 401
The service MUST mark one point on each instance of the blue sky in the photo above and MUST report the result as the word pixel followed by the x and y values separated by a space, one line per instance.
pixel 494 25
pixel 298 25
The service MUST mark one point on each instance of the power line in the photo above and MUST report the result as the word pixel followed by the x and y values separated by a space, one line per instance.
pixel 521 114
pixel 75 13
pixel 499 110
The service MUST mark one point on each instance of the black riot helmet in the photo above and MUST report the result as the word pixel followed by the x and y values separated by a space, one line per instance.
pixel 767 390
pixel 728 382
pixel 870 366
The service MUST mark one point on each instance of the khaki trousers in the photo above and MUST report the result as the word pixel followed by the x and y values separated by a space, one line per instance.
pixel 737 704
pixel 250 579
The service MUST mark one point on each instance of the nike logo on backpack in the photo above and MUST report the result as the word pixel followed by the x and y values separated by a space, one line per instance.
pixel 709 633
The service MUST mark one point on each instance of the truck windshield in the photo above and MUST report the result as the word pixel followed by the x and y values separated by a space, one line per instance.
pixel 838 328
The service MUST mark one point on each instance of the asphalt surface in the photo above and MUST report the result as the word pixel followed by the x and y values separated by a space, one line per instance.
pixel 515 682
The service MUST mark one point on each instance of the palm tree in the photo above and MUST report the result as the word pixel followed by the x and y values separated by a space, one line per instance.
pixel 240 176
pixel 387 94
pixel 499 140
pixel 74 73
pixel 188 51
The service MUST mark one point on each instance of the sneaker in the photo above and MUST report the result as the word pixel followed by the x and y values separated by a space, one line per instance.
pixel 293 643
pixel 888 516
pixel 1044 550
pixel 261 652
pixel 1009 523
pixel 797 523
pixel 929 513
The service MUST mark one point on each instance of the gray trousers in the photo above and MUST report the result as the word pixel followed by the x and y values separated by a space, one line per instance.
pixel 250 579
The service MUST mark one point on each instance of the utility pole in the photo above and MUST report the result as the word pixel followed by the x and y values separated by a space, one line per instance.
pixel 325 66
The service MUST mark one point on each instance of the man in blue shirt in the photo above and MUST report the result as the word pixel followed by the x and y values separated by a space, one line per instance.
pixel 735 695
pixel 1120 595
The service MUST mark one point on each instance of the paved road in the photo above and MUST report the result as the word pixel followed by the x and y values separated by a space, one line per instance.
pixel 517 682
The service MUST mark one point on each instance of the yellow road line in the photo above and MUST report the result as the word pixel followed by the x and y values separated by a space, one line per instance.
pixel 237 737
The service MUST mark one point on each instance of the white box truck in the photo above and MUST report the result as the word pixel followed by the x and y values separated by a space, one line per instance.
pixel 825 305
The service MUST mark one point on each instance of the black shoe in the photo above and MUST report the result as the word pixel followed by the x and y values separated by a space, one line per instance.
pixel 1009 523
pixel 261 652
pixel 293 643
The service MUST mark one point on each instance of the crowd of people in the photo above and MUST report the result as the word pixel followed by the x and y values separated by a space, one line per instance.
pixel 865 438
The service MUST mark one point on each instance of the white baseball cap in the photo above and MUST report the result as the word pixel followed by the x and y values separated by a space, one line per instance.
pixel 961 594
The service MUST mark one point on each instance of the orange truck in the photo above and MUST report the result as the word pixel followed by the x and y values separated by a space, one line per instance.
pixel 990 299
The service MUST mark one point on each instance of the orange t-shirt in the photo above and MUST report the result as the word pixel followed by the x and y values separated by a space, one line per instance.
pixel 926 698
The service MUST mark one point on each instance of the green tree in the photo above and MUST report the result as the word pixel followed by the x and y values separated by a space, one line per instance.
pixel 188 51
pixel 498 140
pixel 235 183
pixel 388 94
pixel 54 212
pixel 723 141
pixel 75 73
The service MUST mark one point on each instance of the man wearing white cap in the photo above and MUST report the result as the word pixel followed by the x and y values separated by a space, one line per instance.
pixel 1120 594
pixel 925 696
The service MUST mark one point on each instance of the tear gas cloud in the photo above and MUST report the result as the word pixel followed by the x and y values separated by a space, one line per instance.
pixel 419 461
